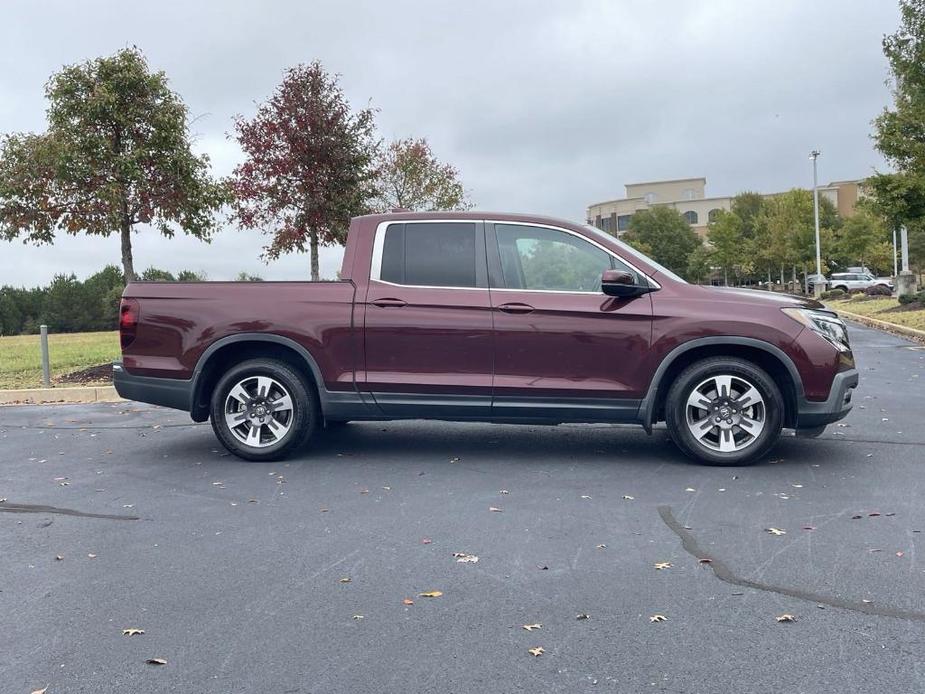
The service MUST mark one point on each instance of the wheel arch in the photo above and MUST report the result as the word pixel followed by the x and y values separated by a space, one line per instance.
pixel 765 355
pixel 233 349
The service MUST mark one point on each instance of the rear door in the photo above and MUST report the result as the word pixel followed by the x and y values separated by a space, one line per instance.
pixel 563 349
pixel 428 321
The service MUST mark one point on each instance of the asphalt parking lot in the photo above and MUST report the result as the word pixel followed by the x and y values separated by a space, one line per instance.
pixel 238 572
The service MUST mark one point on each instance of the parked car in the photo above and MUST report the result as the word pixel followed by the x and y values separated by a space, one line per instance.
pixel 846 281
pixel 487 317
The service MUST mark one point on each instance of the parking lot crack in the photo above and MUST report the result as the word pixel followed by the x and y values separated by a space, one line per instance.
pixel 33 508
pixel 722 571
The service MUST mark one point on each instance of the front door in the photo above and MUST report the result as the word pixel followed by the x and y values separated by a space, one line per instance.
pixel 428 332
pixel 563 349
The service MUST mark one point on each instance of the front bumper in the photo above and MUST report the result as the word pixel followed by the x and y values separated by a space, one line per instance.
pixel 812 415
pixel 167 392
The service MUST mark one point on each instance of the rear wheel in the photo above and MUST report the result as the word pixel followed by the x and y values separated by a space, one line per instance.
pixel 724 411
pixel 262 410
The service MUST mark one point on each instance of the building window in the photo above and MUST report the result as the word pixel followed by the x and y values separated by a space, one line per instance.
pixel 690 217
pixel 623 222
pixel 713 214
pixel 688 194
pixel 606 226
pixel 650 198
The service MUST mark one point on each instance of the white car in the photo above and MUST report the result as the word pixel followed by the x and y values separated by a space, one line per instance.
pixel 846 281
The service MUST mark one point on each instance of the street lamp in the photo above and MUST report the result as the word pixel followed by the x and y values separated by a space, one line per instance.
pixel 817 285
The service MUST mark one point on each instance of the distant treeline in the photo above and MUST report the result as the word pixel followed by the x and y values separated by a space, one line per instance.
pixel 67 305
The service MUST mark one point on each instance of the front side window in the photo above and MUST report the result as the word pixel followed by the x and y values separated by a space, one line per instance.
pixel 432 254
pixel 539 258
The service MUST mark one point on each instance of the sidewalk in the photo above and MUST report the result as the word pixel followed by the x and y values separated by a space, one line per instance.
pixel 36 396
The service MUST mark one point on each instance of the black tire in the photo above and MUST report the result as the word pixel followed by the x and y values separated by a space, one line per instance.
pixel 742 372
pixel 304 411
pixel 842 287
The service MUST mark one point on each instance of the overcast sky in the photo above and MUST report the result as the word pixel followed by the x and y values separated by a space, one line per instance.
pixel 544 107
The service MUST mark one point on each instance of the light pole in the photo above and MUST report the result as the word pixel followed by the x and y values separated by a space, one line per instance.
pixel 817 285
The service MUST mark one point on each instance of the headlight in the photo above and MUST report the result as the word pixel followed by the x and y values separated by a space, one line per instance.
pixel 824 323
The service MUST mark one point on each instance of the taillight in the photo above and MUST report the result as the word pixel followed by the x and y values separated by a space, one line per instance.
pixel 128 321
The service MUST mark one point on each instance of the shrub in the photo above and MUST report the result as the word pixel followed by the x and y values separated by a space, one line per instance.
pixel 878 290
pixel 833 294
pixel 908 298
pixel 855 292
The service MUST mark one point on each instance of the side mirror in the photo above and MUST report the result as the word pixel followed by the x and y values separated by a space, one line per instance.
pixel 621 283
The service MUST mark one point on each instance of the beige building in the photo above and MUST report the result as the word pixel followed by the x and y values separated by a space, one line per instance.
pixel 688 196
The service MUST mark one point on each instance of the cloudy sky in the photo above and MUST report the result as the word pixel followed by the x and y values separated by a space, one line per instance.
pixel 543 106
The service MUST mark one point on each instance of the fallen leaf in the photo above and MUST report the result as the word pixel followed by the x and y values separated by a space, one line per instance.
pixel 156 661
pixel 463 558
pixel 40 691
pixel 866 600
pixel 874 514
pixel 132 631
pixel 662 565
pixel 536 652
pixel 900 554
pixel 658 618
pixel 809 527
pixel 775 531
pixel 426 541
pixel 705 560
pixel 58 557
pixel 345 579
pixel 358 617
pixel 542 567
pixel 797 486
pixel 407 601
pixel 495 509
pixel 786 618
pixel 690 489
pixel 454 460
pixel 602 546
pixel 431 594
pixel 628 497
pixel 92 556
pixel 856 517
pixel 3 500
pixel 531 627
pixel 504 491
pixel 585 496
pixel 582 615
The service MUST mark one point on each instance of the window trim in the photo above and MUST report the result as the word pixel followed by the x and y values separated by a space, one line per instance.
pixel 375 269
pixel 491 241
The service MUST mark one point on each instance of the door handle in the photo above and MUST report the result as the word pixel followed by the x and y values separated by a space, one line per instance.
pixel 516 307
pixel 389 303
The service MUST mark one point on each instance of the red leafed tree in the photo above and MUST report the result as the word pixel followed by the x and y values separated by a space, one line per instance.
pixel 309 166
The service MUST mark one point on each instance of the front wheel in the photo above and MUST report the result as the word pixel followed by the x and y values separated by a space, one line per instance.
pixel 262 410
pixel 724 411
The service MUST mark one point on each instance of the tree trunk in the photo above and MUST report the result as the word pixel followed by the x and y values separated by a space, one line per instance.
pixel 725 277
pixel 313 243
pixel 782 277
pixel 128 263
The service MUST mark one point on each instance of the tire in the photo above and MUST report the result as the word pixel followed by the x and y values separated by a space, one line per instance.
pixel 842 287
pixel 744 434
pixel 275 410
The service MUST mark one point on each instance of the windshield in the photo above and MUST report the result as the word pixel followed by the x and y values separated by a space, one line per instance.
pixel 633 253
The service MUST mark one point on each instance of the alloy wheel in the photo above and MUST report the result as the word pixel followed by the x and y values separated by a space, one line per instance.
pixel 725 413
pixel 259 411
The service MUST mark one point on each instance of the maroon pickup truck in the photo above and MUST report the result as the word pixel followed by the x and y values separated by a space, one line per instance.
pixel 487 317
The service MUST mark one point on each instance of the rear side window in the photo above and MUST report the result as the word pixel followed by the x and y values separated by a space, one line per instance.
pixel 433 254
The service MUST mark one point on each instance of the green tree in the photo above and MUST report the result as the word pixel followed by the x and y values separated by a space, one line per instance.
pixel 899 133
pixel 244 276
pixel 100 289
pixel 862 239
pixel 117 153
pixel 154 274
pixel 410 176
pixel 11 317
pixel 191 276
pixel 699 264
pixel 666 236
pixel 309 164
pixel 65 309
pixel 748 206
pixel 728 241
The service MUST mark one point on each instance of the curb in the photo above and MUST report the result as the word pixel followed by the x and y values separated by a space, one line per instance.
pixel 37 396
pixel 914 333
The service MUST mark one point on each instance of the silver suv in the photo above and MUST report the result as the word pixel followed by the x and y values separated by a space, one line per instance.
pixel 846 281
